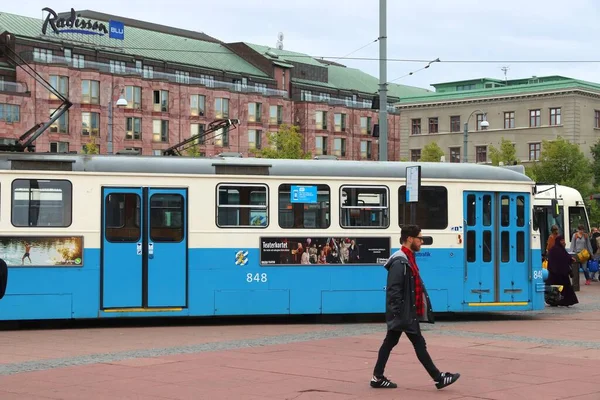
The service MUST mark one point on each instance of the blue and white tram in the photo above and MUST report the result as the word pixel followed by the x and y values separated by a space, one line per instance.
pixel 129 236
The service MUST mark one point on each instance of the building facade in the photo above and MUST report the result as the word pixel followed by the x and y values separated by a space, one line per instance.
pixel 524 111
pixel 176 82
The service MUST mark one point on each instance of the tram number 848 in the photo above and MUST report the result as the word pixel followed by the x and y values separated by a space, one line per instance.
pixel 256 277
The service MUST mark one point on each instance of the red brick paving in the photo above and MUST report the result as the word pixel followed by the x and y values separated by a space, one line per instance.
pixel 337 368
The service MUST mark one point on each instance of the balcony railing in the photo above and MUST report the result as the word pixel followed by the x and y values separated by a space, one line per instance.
pixel 344 103
pixel 117 69
pixel 13 87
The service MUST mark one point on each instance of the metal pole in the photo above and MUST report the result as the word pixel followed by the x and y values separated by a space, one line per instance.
pixel 383 125
pixel 465 141
pixel 109 146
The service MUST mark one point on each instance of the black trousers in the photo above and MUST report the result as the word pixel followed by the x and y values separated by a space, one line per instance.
pixel 418 342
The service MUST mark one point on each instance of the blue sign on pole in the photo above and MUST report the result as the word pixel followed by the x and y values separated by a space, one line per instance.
pixel 303 194
pixel 116 30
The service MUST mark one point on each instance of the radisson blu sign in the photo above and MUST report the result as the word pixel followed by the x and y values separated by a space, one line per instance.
pixel 76 24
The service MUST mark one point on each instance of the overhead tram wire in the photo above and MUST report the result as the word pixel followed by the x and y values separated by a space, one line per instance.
pixel 407 60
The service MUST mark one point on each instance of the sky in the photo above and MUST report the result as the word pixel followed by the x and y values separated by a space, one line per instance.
pixel 459 30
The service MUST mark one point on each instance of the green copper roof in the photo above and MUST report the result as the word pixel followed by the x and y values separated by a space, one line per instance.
pixel 144 43
pixel 283 55
pixel 517 89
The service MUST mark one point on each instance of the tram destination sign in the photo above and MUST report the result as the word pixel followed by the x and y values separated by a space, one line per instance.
pixel 324 250
pixel 74 23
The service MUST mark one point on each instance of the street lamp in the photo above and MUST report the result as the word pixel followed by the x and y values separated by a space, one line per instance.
pixel 484 125
pixel 122 102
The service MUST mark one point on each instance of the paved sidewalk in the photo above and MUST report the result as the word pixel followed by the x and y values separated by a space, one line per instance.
pixel 552 355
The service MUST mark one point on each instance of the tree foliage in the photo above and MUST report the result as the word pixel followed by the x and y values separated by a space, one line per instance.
pixel 563 163
pixel 432 152
pixel 507 154
pixel 91 147
pixel 285 143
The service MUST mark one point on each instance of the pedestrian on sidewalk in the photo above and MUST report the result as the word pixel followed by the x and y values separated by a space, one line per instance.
pixel 407 304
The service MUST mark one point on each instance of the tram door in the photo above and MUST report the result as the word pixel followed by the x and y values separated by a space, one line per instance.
pixel 497 243
pixel 144 247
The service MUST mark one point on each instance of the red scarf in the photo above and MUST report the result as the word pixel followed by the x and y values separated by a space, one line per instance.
pixel 419 301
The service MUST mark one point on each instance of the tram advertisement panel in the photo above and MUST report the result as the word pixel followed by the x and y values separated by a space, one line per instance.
pixel 42 251
pixel 324 250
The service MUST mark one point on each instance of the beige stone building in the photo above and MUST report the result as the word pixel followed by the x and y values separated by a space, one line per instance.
pixel 525 111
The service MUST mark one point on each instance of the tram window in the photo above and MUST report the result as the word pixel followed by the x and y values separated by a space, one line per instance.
pixel 364 207
pixel 520 246
pixel 487 210
pixel 505 246
pixel 242 206
pixel 432 208
pixel 487 246
pixel 471 210
pixel 122 217
pixel 471 246
pixel 41 203
pixel 167 217
pixel 520 211
pixel 505 211
pixel 577 217
pixel 311 213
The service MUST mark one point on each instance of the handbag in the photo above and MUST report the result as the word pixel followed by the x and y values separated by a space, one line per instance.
pixel 592 265
pixel 583 256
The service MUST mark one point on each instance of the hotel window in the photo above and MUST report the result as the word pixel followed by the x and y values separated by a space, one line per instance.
pixel 481 154
pixel 415 155
pixel 535 118
pixel 138 67
pixel 305 95
pixel 197 104
pixel 433 125
pixel 207 80
pixel 161 100
pixel 339 147
pixel 509 120
pixel 365 149
pixel 254 139
pixel 261 87
pixel 1 84
pixel 415 126
pixel 455 123
pixel 90 124
pixel 42 55
pixel 555 116
pixel 321 120
pixel 133 95
pixel 321 145
pixel 365 125
pixel 133 128
pixel 117 67
pixel 221 108
pixel 68 55
pixel 148 72
pixel 60 84
pixel 339 122
pixel 59 147
pixel 455 154
pixel 61 125
pixel 535 149
pixel 90 92
pixel 479 121
pixel 182 77
pixel 275 115
pixel 198 129
pixel 596 119
pixel 222 137
pixel 254 112
pixel 160 131
pixel 10 113
pixel 324 97
pixel 78 61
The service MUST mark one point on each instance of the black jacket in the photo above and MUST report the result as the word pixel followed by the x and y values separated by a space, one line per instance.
pixel 401 309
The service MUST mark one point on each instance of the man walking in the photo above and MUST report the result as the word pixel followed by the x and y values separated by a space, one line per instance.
pixel 407 304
